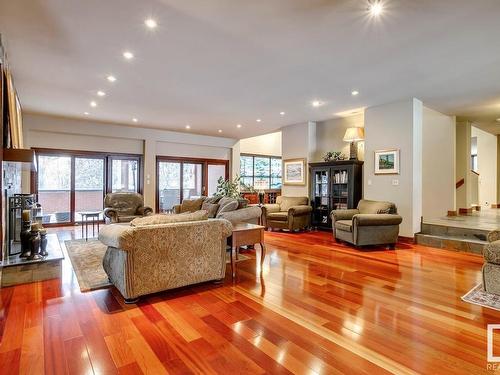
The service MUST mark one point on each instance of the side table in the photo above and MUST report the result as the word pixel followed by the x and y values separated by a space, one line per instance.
pixel 245 234
pixel 94 216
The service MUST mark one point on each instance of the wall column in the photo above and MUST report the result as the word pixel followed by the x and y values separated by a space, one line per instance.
pixel 149 168
pixel 463 193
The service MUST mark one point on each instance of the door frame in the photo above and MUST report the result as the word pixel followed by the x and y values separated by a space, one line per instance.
pixel 204 172
pixel 107 188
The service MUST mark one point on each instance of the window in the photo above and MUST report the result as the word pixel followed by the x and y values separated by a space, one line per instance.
pixel 260 172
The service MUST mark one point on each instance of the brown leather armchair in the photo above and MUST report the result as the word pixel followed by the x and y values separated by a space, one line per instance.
pixel 372 223
pixel 124 207
pixel 292 213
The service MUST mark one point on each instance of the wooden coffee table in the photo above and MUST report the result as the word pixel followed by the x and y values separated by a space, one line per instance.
pixel 245 234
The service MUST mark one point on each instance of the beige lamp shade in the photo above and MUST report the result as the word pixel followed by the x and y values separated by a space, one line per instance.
pixel 354 134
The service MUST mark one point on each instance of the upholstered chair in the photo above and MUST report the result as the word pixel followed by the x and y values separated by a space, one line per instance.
pixel 372 223
pixel 292 213
pixel 124 207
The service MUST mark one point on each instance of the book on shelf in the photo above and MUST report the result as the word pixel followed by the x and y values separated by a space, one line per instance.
pixel 340 177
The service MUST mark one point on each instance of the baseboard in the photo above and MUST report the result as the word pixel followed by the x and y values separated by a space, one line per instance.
pixel 465 211
pixel 452 213
pixel 405 239
pixel 495 205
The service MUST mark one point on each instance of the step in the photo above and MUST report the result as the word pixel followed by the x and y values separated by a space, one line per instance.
pixel 458 231
pixel 450 242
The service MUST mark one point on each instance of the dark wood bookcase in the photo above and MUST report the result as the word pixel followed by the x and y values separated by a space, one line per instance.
pixel 335 185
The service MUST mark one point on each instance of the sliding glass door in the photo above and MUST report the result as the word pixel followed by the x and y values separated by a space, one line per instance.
pixel 179 179
pixel 71 182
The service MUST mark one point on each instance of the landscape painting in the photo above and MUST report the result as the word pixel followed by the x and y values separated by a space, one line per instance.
pixel 387 161
pixel 294 171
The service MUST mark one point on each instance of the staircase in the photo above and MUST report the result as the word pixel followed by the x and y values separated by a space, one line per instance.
pixel 454 238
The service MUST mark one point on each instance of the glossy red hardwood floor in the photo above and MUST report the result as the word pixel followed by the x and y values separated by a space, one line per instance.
pixel 319 307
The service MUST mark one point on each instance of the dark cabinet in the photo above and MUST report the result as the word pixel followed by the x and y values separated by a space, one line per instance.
pixel 335 185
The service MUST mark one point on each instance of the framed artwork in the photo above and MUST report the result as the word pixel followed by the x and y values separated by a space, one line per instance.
pixel 387 161
pixel 294 172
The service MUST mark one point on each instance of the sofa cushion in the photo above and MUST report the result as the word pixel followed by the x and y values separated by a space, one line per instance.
pixel 214 199
pixel 278 216
pixel 287 202
pixel 211 208
pixel 191 205
pixel 171 218
pixel 110 234
pixel 227 206
pixel 376 207
pixel 345 225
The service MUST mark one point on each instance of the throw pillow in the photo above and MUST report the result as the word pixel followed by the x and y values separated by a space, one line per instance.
pixel 225 200
pixel 213 199
pixel 191 205
pixel 211 208
pixel 168 219
pixel 228 207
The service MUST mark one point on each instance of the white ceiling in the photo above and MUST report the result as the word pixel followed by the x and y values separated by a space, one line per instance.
pixel 216 63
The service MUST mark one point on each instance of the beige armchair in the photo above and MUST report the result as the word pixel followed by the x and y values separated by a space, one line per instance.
pixel 124 207
pixel 292 213
pixel 372 223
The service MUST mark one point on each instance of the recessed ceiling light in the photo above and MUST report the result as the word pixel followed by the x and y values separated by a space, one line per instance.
pixel 111 78
pixel 354 92
pixel 282 113
pixel 258 120
pixel 151 23
pixel 220 130
pixel 93 104
pixel 238 126
pixel 317 103
pixel 498 119
pixel 134 119
pixel 101 93
pixel 128 55
pixel 86 113
pixel 375 7
pixel 188 126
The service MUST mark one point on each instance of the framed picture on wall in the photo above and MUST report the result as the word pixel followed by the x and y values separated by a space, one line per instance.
pixel 294 172
pixel 387 161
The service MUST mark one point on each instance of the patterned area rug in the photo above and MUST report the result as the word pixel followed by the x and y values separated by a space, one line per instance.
pixel 478 296
pixel 86 259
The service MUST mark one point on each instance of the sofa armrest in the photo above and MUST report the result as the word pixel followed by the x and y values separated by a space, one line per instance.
pixel 111 235
pixel 111 213
pixel 493 236
pixel 144 211
pixel 269 208
pixel 361 220
pixel 299 210
pixel 241 215
pixel 343 214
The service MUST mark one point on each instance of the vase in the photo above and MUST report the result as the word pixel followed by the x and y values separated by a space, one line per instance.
pixel 25 239
pixel 43 244
pixel 35 246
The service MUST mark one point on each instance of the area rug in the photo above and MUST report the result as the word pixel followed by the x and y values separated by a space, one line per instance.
pixel 478 296
pixel 86 258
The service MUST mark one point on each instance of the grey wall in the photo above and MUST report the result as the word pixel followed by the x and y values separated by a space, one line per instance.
pixel 396 125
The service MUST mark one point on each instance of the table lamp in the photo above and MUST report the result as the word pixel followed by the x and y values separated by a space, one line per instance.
pixel 354 135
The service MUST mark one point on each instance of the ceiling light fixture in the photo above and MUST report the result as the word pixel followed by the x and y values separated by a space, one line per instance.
pixel 93 104
pixel 134 119
pixel 128 55
pixel 101 93
pixel 354 92
pixel 151 23
pixel 238 126
pixel 86 113
pixel 317 103
pixel 375 7
pixel 111 78
pixel 282 113
pixel 220 130
pixel 259 120
pixel 188 126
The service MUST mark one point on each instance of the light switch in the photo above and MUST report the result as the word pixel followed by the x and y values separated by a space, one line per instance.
pixel 395 182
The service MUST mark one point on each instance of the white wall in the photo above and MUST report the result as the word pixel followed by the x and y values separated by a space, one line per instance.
pixel 396 125
pixel 73 134
pixel 486 166
pixel 267 144
pixel 298 141
pixel 438 163
pixel 330 134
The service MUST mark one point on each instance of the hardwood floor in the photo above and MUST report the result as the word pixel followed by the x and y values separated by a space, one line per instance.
pixel 319 307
